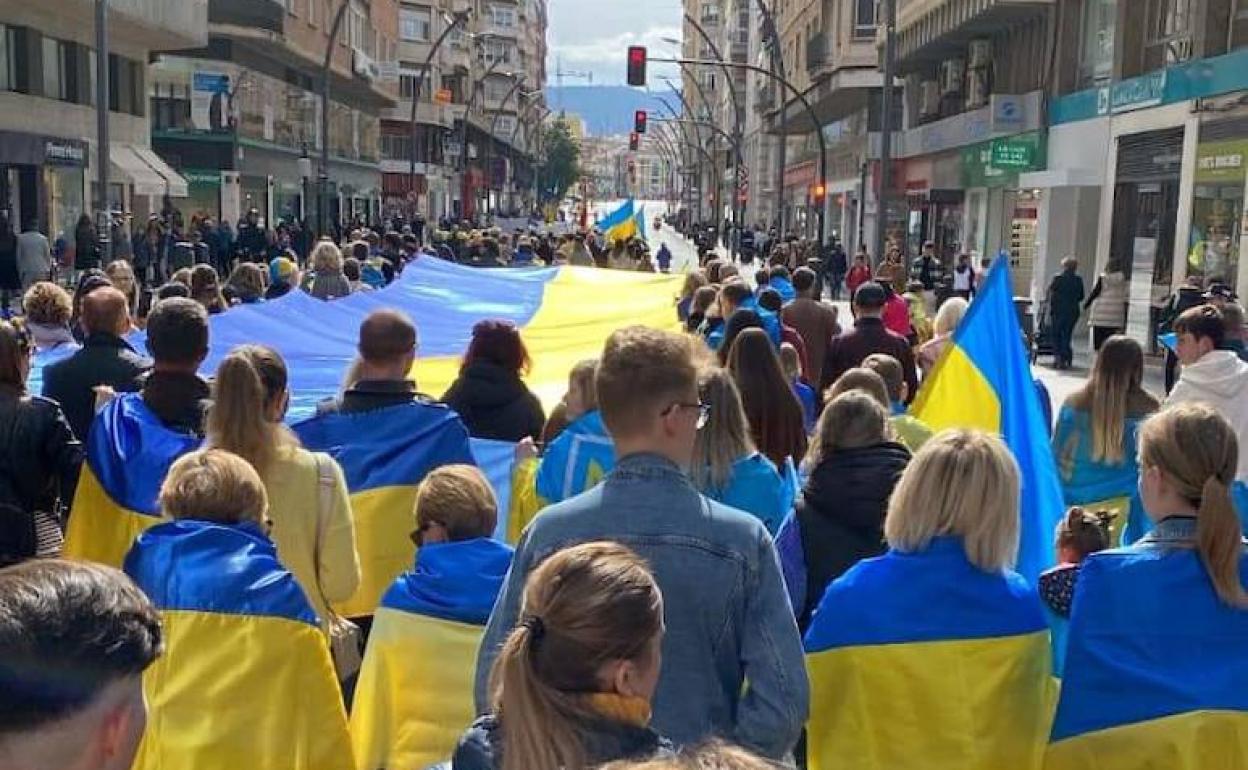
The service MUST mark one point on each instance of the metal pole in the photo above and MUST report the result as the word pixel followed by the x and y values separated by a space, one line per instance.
pixel 489 145
pixel 697 131
pixel 456 20
pixel 778 72
pixel 102 218
pixel 463 136
pixel 886 129
pixel 322 177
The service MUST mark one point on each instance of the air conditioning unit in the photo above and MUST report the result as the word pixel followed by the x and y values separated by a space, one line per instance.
pixel 979 54
pixel 364 66
pixel 951 72
pixel 978 88
pixel 929 99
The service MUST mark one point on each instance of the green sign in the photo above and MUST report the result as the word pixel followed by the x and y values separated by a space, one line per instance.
pixel 1013 153
pixel 1221 162
pixel 202 177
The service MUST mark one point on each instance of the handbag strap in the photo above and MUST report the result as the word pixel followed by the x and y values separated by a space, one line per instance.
pixel 325 483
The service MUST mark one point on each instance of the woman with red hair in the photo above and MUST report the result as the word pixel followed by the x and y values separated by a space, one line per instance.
pixel 489 395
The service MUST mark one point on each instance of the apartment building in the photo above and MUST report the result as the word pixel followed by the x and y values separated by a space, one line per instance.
pixel 48 166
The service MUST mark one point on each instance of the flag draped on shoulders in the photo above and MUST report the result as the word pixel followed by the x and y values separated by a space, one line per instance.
pixel 414 697
pixel 1156 669
pixel 575 461
pixel 246 679
pixel 983 380
pixel 129 451
pixel 921 660
pixel 385 454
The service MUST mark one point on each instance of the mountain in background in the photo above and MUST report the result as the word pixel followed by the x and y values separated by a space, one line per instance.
pixel 606 110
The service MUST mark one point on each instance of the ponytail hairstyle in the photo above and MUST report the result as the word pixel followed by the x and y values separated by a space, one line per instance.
pixel 1085 532
pixel 248 382
pixel 584 607
pixel 1195 449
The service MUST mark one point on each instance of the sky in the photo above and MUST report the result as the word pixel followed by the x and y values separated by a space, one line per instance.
pixel 593 35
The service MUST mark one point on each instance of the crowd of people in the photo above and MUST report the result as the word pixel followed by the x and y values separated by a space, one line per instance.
pixel 726 547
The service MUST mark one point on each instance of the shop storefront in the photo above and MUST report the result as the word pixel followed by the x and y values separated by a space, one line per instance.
pixel 42 179
pixel 1001 218
pixel 203 199
pixel 1215 242
pixel 800 215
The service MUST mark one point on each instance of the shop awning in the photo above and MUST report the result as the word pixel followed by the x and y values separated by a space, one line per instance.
pixel 145 171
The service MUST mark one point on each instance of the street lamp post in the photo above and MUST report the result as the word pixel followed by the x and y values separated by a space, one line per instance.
pixel 489 144
pixel 696 141
pixel 535 106
pixel 810 112
pixel 452 22
pixel 778 73
pixel 886 128
pixel 103 226
pixel 688 108
pixel 463 136
pixel 322 177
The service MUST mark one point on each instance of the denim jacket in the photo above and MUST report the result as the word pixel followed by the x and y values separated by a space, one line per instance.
pixel 728 618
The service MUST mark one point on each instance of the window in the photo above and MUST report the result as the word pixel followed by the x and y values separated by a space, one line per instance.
pixel 496 89
pixel 1096 50
pixel 53 68
pixel 864 18
pixel 505 126
pixel 710 13
pixel 1169 33
pixel 292 7
pixel 360 33
pixel 6 69
pixel 499 51
pixel 409 73
pixel 314 7
pixel 502 16
pixel 415 23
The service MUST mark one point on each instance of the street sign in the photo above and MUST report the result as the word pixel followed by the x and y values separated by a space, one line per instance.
pixel 388 71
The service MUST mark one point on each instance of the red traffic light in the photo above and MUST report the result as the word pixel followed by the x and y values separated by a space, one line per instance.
pixel 639 121
pixel 817 192
pixel 634 141
pixel 636 65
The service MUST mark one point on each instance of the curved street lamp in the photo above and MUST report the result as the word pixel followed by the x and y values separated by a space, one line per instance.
pixel 452 22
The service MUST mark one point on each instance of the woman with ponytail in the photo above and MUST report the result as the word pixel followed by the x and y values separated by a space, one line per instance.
pixel 1155 664
pixel 571 687
pixel 310 509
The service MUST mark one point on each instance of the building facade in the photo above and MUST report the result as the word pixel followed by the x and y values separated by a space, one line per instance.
pixel 48 165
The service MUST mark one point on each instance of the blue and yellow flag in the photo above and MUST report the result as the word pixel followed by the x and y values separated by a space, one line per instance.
pixel 574 462
pixel 385 454
pixel 621 224
pixel 128 453
pixel 983 380
pixel 1156 669
pixel 922 660
pixel 414 697
pixel 246 679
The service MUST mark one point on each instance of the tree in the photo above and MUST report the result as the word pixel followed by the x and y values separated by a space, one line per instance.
pixel 561 161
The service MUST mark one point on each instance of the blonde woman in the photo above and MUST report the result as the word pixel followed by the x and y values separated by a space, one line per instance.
pixel 854 462
pixel 48 309
pixel 122 276
pixel 728 467
pixel 935 654
pixel 1095 439
pixel 1155 667
pixel 310 509
pixel 950 314
pixel 572 685
pixel 246 284
pixel 328 282
pixel 684 303
pixel 241 640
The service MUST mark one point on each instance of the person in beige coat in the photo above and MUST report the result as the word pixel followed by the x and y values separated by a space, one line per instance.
pixel 309 504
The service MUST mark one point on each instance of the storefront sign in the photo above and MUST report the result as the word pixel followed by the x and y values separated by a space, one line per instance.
pixel 36 150
pixel 202 177
pixel 1221 162
pixel 1006 114
pixel 1013 153
pixel 60 152
pixel 1196 79
pixel 800 175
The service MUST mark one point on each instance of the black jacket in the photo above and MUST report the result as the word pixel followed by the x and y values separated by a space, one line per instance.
pixel 105 359
pixel 39 460
pixel 1065 295
pixel 367 395
pixel 841 514
pixel 181 401
pixel 869 335
pixel 495 404
pixel 481 747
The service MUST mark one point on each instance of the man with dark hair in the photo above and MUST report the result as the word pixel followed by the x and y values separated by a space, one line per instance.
pixel 1210 374
pixel 75 639
pixel 105 359
pixel 177 339
pixel 1233 321
pixel 813 320
pixel 868 336
pixel 728 618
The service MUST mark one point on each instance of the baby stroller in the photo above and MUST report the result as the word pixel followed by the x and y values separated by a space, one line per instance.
pixel 1042 338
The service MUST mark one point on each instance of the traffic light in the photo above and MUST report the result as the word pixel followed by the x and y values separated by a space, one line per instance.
pixel 634 141
pixel 636 65
pixel 817 193
pixel 639 122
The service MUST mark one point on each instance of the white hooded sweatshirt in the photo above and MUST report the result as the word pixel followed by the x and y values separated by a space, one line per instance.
pixel 1220 380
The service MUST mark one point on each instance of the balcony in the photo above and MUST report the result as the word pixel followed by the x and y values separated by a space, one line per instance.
pixel 928 30
pixel 164 25
pixel 816 53
pixel 267 15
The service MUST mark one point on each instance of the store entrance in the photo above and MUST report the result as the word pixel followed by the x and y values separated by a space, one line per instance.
pixel 1142 244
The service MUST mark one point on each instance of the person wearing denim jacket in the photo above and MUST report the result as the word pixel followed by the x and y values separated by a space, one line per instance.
pixel 728 617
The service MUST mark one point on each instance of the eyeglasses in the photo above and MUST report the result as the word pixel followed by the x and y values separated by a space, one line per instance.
pixel 704 411
pixel 418 535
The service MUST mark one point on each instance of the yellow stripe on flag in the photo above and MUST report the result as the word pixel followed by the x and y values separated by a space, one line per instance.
pixel 1196 740
pixel 383 519
pixel 99 530
pixel 958 396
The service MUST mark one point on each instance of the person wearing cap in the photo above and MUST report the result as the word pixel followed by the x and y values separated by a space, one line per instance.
pixel 283 277
pixel 869 335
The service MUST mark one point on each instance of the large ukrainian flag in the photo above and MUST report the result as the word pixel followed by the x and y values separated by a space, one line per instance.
pixel 128 453
pixel 385 454
pixel 414 697
pixel 983 380
pixel 1156 669
pixel 246 679
pixel 924 661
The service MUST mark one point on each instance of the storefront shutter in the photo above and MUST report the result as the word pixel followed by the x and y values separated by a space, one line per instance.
pixel 1155 156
